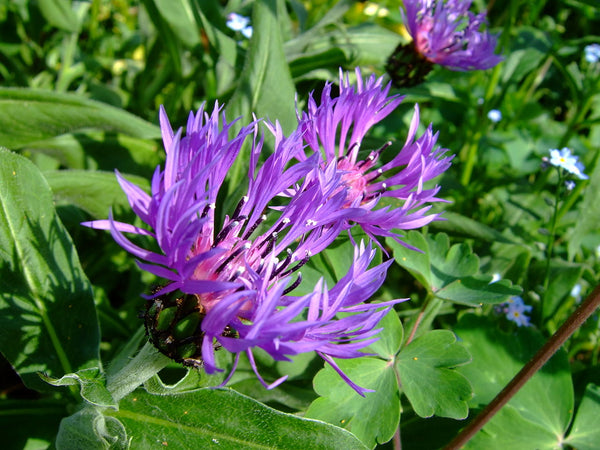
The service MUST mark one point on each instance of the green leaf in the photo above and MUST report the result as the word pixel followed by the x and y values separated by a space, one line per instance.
pixel 588 213
pixel 374 417
pixel 180 17
pixel 92 384
pixel 461 225
pixel 18 416
pixel 450 273
pixel 94 192
pixel 209 417
pixel 59 13
pixel 265 86
pixel 563 276
pixel 539 414
pixel 585 432
pixel 28 115
pixel 47 316
pixel 100 151
pixel 89 429
pixel 390 338
pixel 226 51
pixel 426 369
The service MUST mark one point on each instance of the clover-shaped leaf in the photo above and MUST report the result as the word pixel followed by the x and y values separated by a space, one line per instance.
pixel 426 373
pixel 450 272
pixel 372 418
pixel 375 417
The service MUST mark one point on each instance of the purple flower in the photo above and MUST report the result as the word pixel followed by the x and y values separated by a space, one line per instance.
pixel 334 130
pixel 446 33
pixel 241 274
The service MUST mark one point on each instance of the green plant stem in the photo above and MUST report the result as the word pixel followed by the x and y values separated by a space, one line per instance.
pixel 427 304
pixel 550 245
pixel 147 363
pixel 574 321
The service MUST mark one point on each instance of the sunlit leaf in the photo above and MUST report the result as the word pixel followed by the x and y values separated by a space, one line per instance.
pixel 208 417
pixel 47 317
pixel 427 372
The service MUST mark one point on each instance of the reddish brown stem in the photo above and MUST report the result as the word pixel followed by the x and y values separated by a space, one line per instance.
pixel 576 319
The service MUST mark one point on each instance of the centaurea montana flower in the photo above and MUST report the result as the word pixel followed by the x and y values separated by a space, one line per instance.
pixel 335 129
pixel 239 277
pixel 445 32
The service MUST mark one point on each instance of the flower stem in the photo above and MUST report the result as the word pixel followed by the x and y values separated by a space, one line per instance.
pixel 147 363
pixel 550 245
pixel 574 321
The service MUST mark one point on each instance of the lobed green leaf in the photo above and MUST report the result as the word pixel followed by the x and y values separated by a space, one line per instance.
pixel 426 370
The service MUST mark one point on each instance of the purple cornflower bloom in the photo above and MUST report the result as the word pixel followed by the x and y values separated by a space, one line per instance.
pixel 335 128
pixel 446 33
pixel 242 273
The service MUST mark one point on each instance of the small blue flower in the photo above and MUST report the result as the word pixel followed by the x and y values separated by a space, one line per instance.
pixel 592 53
pixel 576 292
pixel 236 22
pixel 494 115
pixel 570 185
pixel 515 309
pixel 564 159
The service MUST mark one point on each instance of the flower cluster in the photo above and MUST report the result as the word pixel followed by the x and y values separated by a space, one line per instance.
pixel 239 23
pixel 446 33
pixel 235 275
pixel 565 160
pixel 592 53
pixel 515 310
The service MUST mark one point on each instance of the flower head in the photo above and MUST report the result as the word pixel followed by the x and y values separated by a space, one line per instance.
pixel 236 280
pixel 335 128
pixel 565 160
pixel 592 53
pixel 446 33
pixel 515 309
pixel 239 23
pixel 494 115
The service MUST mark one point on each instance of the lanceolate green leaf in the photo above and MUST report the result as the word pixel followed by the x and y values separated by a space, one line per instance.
pixel 589 211
pixel 28 115
pixel 47 317
pixel 180 17
pixel 60 14
pixel 94 192
pixel 210 418
pixel 265 86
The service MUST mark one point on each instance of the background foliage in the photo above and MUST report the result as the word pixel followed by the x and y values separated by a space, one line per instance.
pixel 82 82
